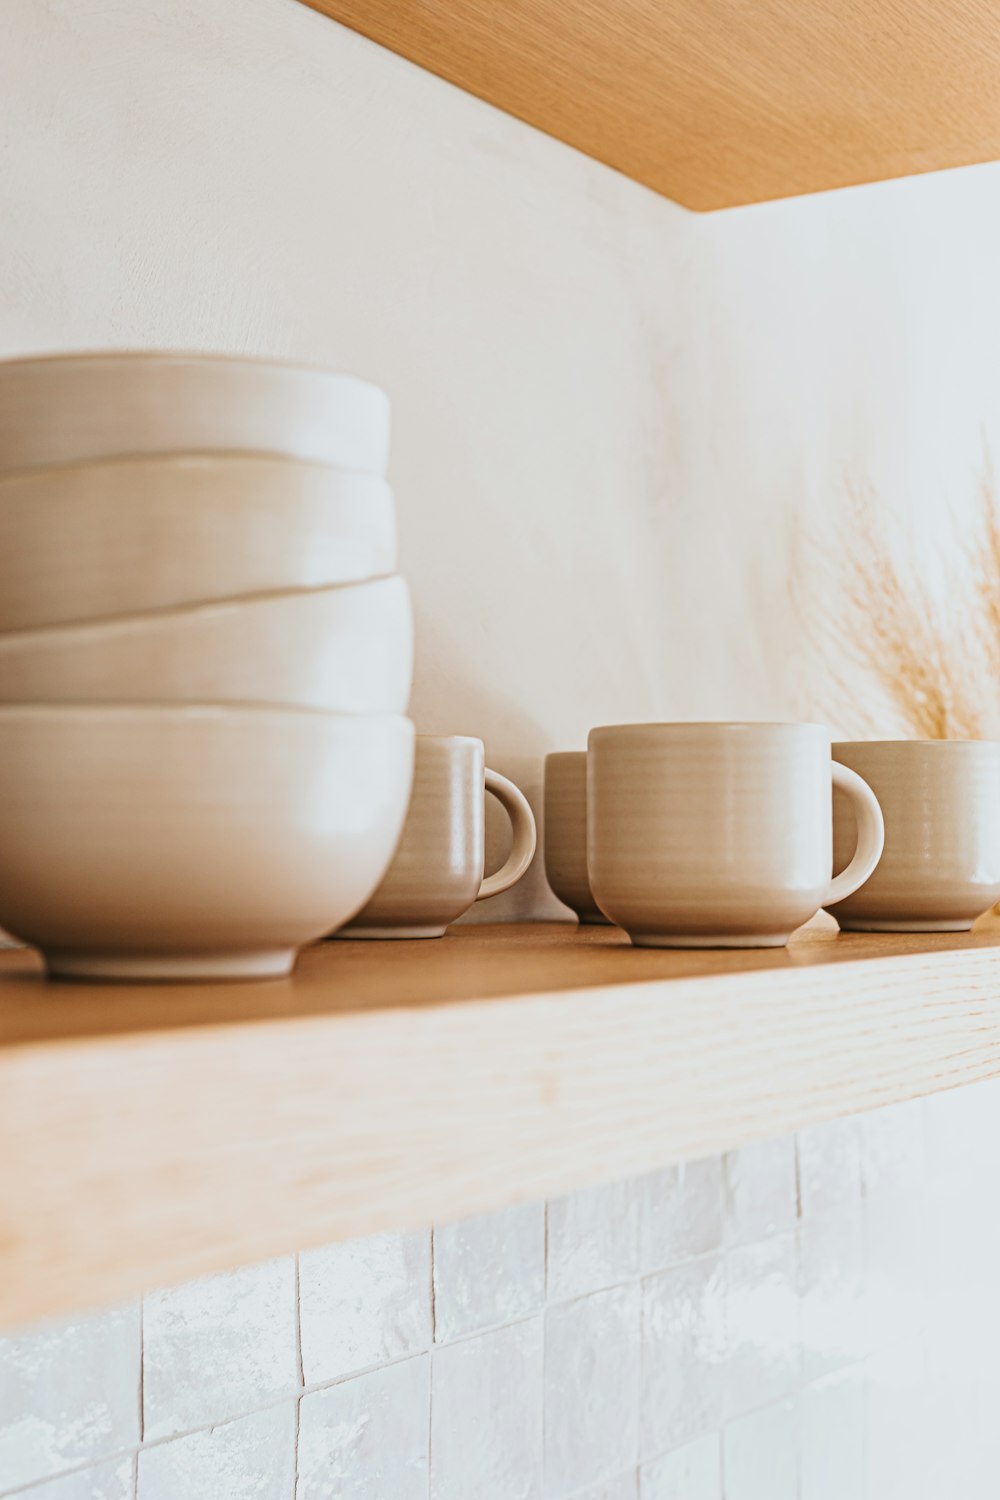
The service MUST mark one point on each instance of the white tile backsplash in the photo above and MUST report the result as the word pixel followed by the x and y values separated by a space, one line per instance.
pixel 829 1163
pixel 69 1394
pixel 108 1481
pixel 368 1438
pixel 364 1303
pixel 681 1213
pixel 763 1323
pixel 833 1438
pixel 252 1458
pixel 489 1269
pixel 761 1190
pixel 760 1455
pixel 693 1340
pixel 835 1322
pixel 693 1472
pixel 593 1239
pixel 625 1487
pixel 486 1428
pixel 592 1373
pixel 684 1354
pixel 217 1347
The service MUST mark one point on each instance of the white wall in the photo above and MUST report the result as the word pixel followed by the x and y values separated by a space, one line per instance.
pixel 612 417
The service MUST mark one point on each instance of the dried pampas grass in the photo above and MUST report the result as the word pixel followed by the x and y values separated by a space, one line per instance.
pixel 930 657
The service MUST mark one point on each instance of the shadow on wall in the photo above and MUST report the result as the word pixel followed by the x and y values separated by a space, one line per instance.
pixel 450 698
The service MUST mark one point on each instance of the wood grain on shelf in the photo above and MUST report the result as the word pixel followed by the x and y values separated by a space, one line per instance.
pixel 722 103
pixel 152 1134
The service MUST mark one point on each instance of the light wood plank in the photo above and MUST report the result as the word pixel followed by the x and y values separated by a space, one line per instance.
pixel 149 1135
pixel 720 102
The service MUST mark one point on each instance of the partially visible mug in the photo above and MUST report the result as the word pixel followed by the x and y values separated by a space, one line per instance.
pixel 564 833
pixel 437 871
pixel 941 865
pixel 719 835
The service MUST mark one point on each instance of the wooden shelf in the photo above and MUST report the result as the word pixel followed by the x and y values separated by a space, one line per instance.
pixel 152 1134
pixel 724 103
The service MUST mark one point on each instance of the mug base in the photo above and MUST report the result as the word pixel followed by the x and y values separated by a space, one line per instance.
pixel 169 968
pixel 399 934
pixel 860 924
pixel 709 940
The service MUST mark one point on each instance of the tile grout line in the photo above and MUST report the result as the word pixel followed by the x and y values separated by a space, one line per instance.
pixel 300 1375
pixel 430 1362
pixel 545 1334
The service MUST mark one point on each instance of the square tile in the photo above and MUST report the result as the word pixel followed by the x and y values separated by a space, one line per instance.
pixel 892 1149
pixel 364 1303
pixel 107 1481
pixel 217 1347
pixel 962 1135
pixel 593 1239
pixel 252 1458
pixel 832 1438
pixel 489 1269
pixel 486 1428
pixel 684 1354
pixel 829 1161
pixel 761 1190
pixel 896 1252
pixel 763 1323
pixel 69 1393
pixel 835 1327
pixel 903 1425
pixel 693 1472
pixel 592 1356
pixel 681 1213
pixel 367 1438
pixel 625 1487
pixel 760 1455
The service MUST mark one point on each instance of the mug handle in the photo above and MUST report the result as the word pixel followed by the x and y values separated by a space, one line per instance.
pixel 522 820
pixel 871 834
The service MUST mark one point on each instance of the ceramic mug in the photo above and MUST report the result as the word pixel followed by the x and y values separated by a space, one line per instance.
pixel 565 833
pixel 437 871
pixel 941 865
pixel 719 835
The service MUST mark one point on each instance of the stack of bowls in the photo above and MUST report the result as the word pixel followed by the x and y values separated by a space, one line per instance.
pixel 205 659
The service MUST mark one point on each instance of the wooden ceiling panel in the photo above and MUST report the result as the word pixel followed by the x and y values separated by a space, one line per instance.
pixel 721 102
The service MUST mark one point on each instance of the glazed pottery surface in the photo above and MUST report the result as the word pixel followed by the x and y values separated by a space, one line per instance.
pixel 941 865
pixel 718 835
pixel 90 541
pixel 565 832
pixel 64 408
pixel 437 871
pixel 343 650
pixel 166 842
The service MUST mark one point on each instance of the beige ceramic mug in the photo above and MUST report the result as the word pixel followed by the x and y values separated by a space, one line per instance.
pixel 941 865
pixel 437 871
pixel 719 835
pixel 565 833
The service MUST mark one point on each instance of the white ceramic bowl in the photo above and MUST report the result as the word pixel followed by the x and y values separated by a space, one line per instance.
pixel 68 407
pixel 166 842
pixel 343 650
pixel 89 541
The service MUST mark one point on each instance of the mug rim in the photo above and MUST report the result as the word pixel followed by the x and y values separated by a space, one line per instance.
pixel 738 726
pixel 920 744
pixel 449 739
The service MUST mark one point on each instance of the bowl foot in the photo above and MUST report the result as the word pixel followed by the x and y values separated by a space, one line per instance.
pixel 859 924
pixel 398 933
pixel 170 968
pixel 709 940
